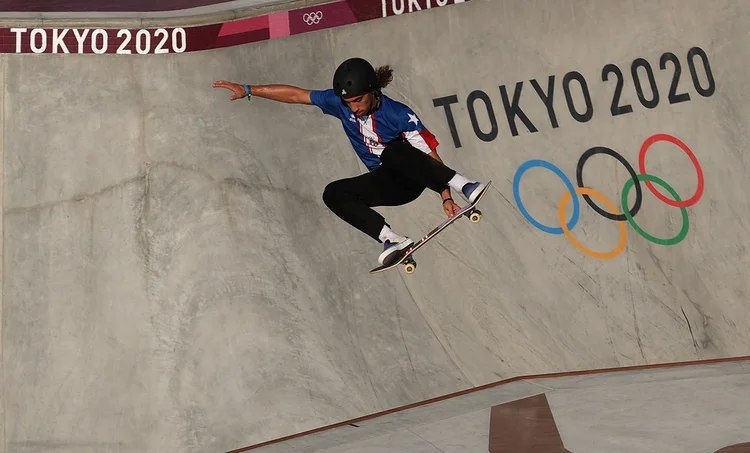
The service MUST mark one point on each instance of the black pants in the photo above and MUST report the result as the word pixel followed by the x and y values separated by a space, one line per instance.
pixel 405 172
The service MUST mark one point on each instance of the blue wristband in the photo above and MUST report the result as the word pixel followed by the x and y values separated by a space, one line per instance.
pixel 247 92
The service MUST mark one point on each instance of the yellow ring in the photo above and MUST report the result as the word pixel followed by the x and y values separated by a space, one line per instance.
pixel 561 216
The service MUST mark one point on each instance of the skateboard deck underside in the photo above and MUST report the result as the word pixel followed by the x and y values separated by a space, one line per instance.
pixel 468 210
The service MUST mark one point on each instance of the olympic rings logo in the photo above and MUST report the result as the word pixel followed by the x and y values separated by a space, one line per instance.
pixel 312 18
pixel 627 214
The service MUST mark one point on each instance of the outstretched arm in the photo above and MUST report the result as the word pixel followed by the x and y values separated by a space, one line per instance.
pixel 282 93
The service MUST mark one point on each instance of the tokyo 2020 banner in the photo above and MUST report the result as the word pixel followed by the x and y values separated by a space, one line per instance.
pixel 148 41
pixel 611 213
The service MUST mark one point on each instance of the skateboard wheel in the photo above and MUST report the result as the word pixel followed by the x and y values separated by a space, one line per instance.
pixel 410 267
pixel 475 216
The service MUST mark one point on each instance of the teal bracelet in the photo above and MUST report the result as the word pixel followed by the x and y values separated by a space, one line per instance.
pixel 248 94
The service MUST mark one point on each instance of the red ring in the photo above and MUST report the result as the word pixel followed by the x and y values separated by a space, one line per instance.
pixel 642 166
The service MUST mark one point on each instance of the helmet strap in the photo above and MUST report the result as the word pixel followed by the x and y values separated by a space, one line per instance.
pixel 376 104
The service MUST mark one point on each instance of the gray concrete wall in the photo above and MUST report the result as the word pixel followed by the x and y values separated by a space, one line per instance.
pixel 173 282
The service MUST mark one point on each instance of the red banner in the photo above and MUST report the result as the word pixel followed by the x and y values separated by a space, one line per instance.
pixel 192 39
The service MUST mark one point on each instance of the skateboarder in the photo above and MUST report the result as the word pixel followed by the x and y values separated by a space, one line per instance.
pixel 398 151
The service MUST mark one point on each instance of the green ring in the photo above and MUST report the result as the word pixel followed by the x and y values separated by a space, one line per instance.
pixel 683 232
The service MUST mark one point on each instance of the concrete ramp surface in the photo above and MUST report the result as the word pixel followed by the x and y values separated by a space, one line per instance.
pixel 679 408
pixel 173 282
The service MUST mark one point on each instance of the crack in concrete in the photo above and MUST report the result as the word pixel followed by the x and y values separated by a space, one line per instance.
pixel 144 177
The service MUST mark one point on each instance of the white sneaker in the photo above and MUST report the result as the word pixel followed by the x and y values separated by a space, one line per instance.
pixel 393 250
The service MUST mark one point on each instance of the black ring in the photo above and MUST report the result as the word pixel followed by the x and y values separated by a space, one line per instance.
pixel 628 167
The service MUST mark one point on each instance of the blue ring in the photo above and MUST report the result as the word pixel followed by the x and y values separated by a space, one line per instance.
pixel 543 163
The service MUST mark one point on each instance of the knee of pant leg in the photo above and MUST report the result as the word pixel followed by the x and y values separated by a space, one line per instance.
pixel 328 194
pixel 331 193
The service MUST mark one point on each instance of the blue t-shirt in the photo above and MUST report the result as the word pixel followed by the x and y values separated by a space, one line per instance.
pixel 370 134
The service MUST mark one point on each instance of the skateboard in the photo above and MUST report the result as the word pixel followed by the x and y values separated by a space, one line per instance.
pixel 410 265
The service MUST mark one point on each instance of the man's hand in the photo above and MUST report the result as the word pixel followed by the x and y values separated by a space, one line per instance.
pixel 236 88
pixel 450 207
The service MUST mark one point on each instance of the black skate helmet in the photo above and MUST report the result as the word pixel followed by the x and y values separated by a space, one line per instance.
pixel 354 77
